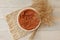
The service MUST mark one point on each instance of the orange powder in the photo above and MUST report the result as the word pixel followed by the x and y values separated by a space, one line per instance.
pixel 28 19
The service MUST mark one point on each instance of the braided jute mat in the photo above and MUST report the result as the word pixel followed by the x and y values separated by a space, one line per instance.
pixel 45 12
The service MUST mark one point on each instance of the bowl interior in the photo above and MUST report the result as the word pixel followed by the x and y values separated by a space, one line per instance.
pixel 28 19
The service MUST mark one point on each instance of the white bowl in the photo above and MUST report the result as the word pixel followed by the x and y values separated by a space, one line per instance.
pixel 19 14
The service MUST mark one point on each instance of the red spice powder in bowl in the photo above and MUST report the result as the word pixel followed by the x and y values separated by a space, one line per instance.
pixel 28 19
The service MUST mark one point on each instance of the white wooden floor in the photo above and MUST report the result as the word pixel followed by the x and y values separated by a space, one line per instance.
pixel 8 6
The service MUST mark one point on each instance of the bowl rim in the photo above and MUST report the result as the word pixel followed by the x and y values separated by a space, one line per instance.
pixel 20 13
